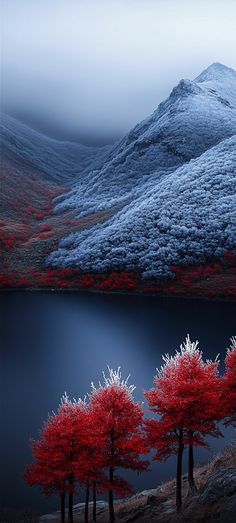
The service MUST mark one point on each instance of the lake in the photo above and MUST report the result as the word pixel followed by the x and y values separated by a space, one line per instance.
pixel 56 342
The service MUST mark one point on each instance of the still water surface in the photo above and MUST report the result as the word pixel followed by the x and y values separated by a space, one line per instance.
pixel 51 343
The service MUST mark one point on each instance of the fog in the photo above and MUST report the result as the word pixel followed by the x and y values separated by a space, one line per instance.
pixel 91 69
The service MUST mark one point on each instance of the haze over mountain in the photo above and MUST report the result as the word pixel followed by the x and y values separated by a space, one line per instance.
pixel 89 70
pixel 58 160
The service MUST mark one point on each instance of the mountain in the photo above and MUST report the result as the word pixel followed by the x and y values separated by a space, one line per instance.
pixel 33 164
pixel 34 170
pixel 197 115
pixel 175 176
pixel 58 161
pixel 189 216
pixel 146 210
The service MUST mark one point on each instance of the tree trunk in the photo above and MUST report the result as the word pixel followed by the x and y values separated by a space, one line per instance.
pixel 86 507
pixel 191 482
pixel 179 471
pixel 94 502
pixel 70 503
pixel 62 496
pixel 110 496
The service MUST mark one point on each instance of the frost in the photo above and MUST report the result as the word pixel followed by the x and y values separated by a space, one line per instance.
pixel 173 180
pixel 189 216
pixel 114 378
pixel 196 116
pixel 60 161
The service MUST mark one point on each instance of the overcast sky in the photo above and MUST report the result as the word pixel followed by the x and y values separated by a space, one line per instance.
pixel 91 69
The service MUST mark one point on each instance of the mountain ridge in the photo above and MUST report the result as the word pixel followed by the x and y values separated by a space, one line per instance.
pixel 162 197
pixel 191 120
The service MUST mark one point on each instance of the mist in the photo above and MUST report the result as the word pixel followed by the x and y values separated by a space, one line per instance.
pixel 88 70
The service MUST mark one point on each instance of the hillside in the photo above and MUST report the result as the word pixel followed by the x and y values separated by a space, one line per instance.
pixel 178 222
pixel 153 213
pixel 214 501
pixel 57 161
pixel 197 115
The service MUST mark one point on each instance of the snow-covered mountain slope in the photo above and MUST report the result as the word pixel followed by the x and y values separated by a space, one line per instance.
pixel 188 216
pixel 197 115
pixel 219 80
pixel 57 160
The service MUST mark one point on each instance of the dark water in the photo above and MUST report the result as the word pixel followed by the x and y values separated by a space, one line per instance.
pixel 56 342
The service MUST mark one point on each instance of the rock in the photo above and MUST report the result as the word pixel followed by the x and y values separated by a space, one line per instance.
pixel 150 492
pixel 228 512
pixel 134 515
pixel 220 485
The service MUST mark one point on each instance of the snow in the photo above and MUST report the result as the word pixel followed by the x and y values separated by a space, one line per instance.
pixel 170 182
pixel 60 161
pixel 114 379
pixel 196 116
pixel 219 80
pixel 188 216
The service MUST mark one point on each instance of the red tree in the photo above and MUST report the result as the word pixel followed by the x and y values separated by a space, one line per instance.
pixel 59 453
pixel 117 421
pixel 229 385
pixel 186 398
pixel 45 473
pixel 90 471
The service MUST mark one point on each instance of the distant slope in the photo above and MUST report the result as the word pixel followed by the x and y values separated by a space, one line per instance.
pixel 59 161
pixel 197 115
pixel 188 216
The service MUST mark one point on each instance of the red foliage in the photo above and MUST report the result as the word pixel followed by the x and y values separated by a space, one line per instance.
pixel 86 280
pixel 45 235
pixel 211 280
pixel 42 214
pixel 45 227
pixel 118 420
pixel 12 239
pixel 5 281
pixel 116 281
pixel 186 396
pixel 75 445
pixel 59 453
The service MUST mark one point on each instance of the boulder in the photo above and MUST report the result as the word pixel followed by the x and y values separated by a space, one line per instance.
pixel 221 484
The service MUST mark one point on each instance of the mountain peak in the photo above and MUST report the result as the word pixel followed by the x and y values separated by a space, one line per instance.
pixel 216 71
pixel 184 88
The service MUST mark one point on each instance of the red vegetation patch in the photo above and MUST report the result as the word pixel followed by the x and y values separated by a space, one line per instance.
pixel 45 227
pixel 45 235
pixel 214 279
pixel 9 239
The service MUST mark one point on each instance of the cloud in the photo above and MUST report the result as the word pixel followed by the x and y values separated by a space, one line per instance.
pixel 94 68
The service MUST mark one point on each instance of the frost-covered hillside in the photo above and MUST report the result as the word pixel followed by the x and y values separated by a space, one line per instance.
pixel 60 161
pixel 197 115
pixel 175 173
pixel 162 197
pixel 188 216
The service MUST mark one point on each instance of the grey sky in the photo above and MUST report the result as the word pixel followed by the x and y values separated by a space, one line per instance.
pixel 91 69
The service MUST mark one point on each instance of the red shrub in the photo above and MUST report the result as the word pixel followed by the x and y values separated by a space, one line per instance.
pixel 45 227
pixel 45 235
